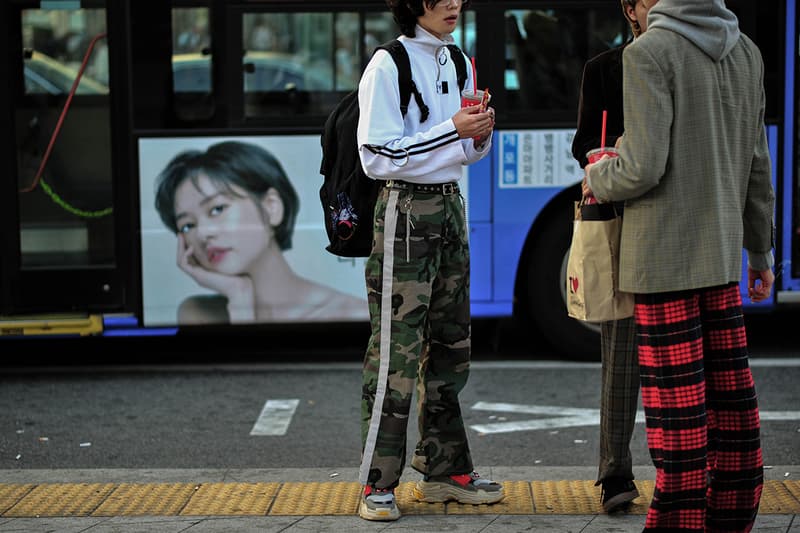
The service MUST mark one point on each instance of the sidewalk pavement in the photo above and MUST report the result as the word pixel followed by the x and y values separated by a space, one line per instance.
pixel 483 520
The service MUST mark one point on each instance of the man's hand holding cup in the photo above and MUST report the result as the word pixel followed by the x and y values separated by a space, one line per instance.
pixel 476 118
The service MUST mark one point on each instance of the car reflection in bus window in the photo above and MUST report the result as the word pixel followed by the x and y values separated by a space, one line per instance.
pixel 43 74
pixel 233 210
pixel 263 72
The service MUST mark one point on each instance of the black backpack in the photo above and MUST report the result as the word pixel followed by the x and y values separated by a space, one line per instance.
pixel 347 194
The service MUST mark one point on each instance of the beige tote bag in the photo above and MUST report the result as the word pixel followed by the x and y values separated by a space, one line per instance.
pixel 593 293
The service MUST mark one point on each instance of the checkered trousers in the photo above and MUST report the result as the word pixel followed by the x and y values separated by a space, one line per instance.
pixel 702 414
pixel 619 398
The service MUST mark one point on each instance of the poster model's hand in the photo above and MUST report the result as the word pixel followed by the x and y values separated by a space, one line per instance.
pixel 237 289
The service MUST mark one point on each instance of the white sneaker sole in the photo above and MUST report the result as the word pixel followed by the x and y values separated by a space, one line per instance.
pixel 380 515
pixel 436 492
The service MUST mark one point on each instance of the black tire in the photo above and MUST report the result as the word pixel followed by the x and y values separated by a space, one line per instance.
pixel 545 294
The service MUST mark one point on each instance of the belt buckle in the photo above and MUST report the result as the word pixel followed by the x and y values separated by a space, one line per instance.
pixel 448 189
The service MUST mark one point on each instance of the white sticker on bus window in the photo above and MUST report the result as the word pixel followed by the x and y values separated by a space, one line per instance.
pixel 537 158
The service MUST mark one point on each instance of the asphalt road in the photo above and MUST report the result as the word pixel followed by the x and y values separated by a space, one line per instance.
pixel 203 416
pixel 164 404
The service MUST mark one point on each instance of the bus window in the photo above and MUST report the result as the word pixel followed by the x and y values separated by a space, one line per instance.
pixel 464 36
pixel 291 59
pixel 378 28
pixel 274 61
pixel 286 56
pixel 65 195
pixel 191 63
pixel 546 50
pixel 347 53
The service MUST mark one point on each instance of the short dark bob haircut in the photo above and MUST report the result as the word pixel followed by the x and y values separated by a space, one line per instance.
pixel 230 164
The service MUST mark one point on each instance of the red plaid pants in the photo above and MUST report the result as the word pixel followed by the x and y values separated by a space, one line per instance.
pixel 701 409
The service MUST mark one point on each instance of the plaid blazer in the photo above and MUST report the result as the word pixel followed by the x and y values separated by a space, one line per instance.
pixel 694 167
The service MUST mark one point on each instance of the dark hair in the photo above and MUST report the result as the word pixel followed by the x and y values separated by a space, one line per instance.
pixel 228 164
pixel 635 28
pixel 406 12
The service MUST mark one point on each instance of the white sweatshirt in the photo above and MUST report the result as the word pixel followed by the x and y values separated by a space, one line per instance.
pixel 435 154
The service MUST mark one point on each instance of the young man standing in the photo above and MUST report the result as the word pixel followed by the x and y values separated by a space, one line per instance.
pixel 694 171
pixel 601 90
pixel 417 274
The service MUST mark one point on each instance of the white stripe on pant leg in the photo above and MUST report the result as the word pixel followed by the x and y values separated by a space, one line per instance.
pixel 389 230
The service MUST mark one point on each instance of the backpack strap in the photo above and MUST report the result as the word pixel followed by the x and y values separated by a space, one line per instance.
pixel 461 65
pixel 405 82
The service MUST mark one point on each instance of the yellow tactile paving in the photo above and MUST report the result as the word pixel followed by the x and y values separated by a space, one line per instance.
pixel 61 499
pixel 794 488
pixel 642 503
pixel 777 499
pixel 12 493
pixel 137 499
pixel 231 499
pixel 409 505
pixel 566 497
pixel 319 498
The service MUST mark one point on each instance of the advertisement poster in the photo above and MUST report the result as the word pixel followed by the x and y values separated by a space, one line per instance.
pixel 232 233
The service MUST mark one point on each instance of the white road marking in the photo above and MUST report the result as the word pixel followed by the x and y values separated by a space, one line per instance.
pixel 275 418
pixel 566 417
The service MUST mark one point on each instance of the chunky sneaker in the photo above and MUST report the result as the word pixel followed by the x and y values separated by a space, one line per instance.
pixel 378 504
pixel 463 488
pixel 617 494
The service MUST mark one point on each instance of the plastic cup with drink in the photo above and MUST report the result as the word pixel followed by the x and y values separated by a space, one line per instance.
pixel 597 154
pixel 473 97
pixel 593 156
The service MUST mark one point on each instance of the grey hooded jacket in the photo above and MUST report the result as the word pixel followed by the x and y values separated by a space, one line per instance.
pixel 694 167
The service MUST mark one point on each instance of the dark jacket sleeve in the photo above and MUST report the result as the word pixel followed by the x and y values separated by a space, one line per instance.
pixel 601 88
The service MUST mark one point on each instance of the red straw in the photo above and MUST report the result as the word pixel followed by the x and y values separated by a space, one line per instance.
pixel 474 77
pixel 603 133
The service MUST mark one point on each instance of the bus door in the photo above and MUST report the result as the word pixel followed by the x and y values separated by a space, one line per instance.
pixel 57 252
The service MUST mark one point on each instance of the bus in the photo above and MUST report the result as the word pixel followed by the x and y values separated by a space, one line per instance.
pixel 102 98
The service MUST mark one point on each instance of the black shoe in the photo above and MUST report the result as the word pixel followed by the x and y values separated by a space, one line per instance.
pixel 617 494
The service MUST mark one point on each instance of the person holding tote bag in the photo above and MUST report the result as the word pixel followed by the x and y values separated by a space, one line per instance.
pixel 601 90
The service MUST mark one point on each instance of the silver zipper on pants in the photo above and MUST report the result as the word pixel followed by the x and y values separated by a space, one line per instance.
pixel 409 226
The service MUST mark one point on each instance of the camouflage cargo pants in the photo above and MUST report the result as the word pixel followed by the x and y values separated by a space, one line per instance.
pixel 418 291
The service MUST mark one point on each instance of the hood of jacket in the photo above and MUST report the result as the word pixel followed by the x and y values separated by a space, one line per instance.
pixel 708 24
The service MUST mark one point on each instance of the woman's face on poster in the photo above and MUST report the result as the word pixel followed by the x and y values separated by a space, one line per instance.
pixel 227 232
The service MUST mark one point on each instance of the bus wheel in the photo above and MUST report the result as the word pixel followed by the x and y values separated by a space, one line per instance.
pixel 546 292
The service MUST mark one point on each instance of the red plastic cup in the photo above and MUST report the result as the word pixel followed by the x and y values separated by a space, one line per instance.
pixel 594 156
pixel 470 97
